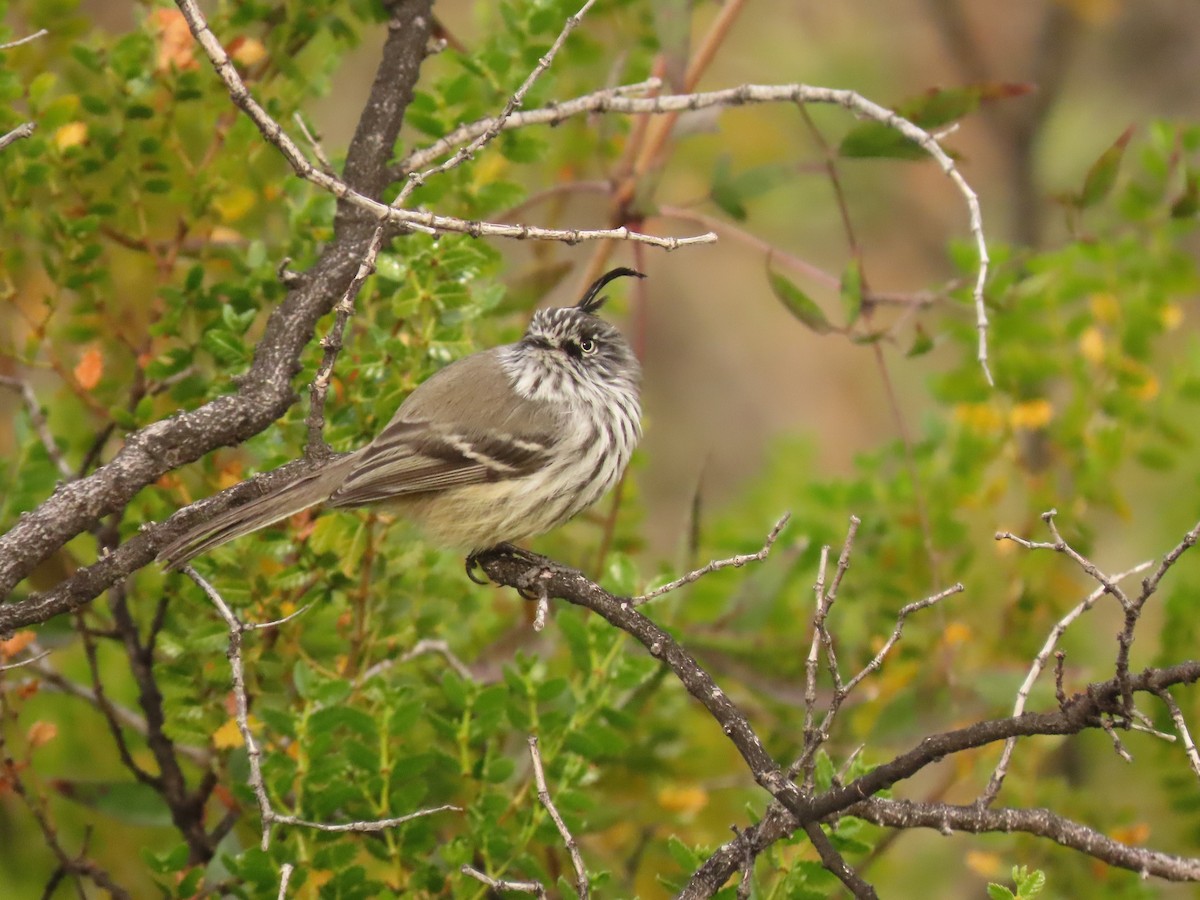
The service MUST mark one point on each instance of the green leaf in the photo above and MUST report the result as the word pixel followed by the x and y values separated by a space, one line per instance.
pixel 799 304
pixel 922 343
pixel 929 111
pixel 1000 892
pixel 731 191
pixel 724 192
pixel 685 857
pixel 851 292
pixel 303 678
pixel 1031 884
pixel 173 860
pixel 1188 202
pixel 224 347
pixel 128 801
pixel 1102 175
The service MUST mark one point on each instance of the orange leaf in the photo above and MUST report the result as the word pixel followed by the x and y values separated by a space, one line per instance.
pixel 227 736
pixel 41 733
pixel 16 643
pixel 70 135
pixel 176 49
pixel 247 51
pixel 90 368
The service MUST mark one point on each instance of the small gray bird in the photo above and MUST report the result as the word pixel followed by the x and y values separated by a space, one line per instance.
pixel 498 446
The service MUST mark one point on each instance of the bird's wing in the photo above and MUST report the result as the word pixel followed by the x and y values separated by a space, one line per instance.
pixel 446 435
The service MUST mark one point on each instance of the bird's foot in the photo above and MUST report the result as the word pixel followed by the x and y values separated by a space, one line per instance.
pixel 527 584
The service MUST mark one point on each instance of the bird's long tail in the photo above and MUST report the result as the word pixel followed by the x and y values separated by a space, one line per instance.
pixel 305 492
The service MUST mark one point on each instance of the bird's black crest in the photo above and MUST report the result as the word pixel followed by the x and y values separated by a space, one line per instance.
pixel 591 301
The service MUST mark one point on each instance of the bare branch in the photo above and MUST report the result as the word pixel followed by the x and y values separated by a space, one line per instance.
pixel 331 344
pixel 267 812
pixel 241 699
pixel 894 637
pixel 498 884
pixel 1079 713
pixel 416 179
pixel 274 133
pixel 318 150
pixel 1150 585
pixel 19 133
pixel 422 647
pixel 34 410
pixel 832 860
pixel 365 827
pixel 1059 545
pixel 815 737
pixel 40 33
pixel 1185 735
pixel 543 792
pixel 735 562
pixel 611 101
pixel 263 394
pixel 25 662
pixel 1039 664
pixel 1039 822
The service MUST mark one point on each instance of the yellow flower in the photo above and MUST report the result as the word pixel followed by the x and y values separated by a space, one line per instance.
pixel 70 135
pixel 1091 345
pixel 979 417
pixel 957 633
pixel 988 865
pixel 686 800
pixel 1106 308
pixel 1172 316
pixel 1031 414
pixel 1149 387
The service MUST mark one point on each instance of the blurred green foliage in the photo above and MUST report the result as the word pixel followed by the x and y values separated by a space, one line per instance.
pixel 142 228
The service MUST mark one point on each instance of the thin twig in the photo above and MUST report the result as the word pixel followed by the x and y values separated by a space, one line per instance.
pixel 1059 545
pixel 365 827
pixel 331 345
pixel 606 101
pixel 416 179
pixel 34 410
pixel 242 710
pixel 1035 670
pixel 746 884
pixel 285 875
pixel 1150 585
pixel 735 562
pixel 471 131
pixel 25 662
pixel 1189 746
pixel 812 662
pixel 499 884
pixel 894 637
pixel 1107 725
pixel 22 131
pixel 317 149
pixel 421 648
pixel 543 792
pixel 42 32
pixel 242 715
pixel 815 737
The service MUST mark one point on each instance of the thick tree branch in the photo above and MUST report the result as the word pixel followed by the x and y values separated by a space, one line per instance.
pixel 263 394
pixel 793 808
pixel 1045 823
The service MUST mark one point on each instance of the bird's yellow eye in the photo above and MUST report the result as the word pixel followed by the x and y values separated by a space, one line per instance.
pixel 587 346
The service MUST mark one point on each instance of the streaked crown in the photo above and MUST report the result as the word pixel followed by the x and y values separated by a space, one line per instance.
pixel 573 346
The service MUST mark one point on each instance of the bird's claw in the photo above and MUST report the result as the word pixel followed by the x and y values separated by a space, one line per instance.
pixel 471 565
